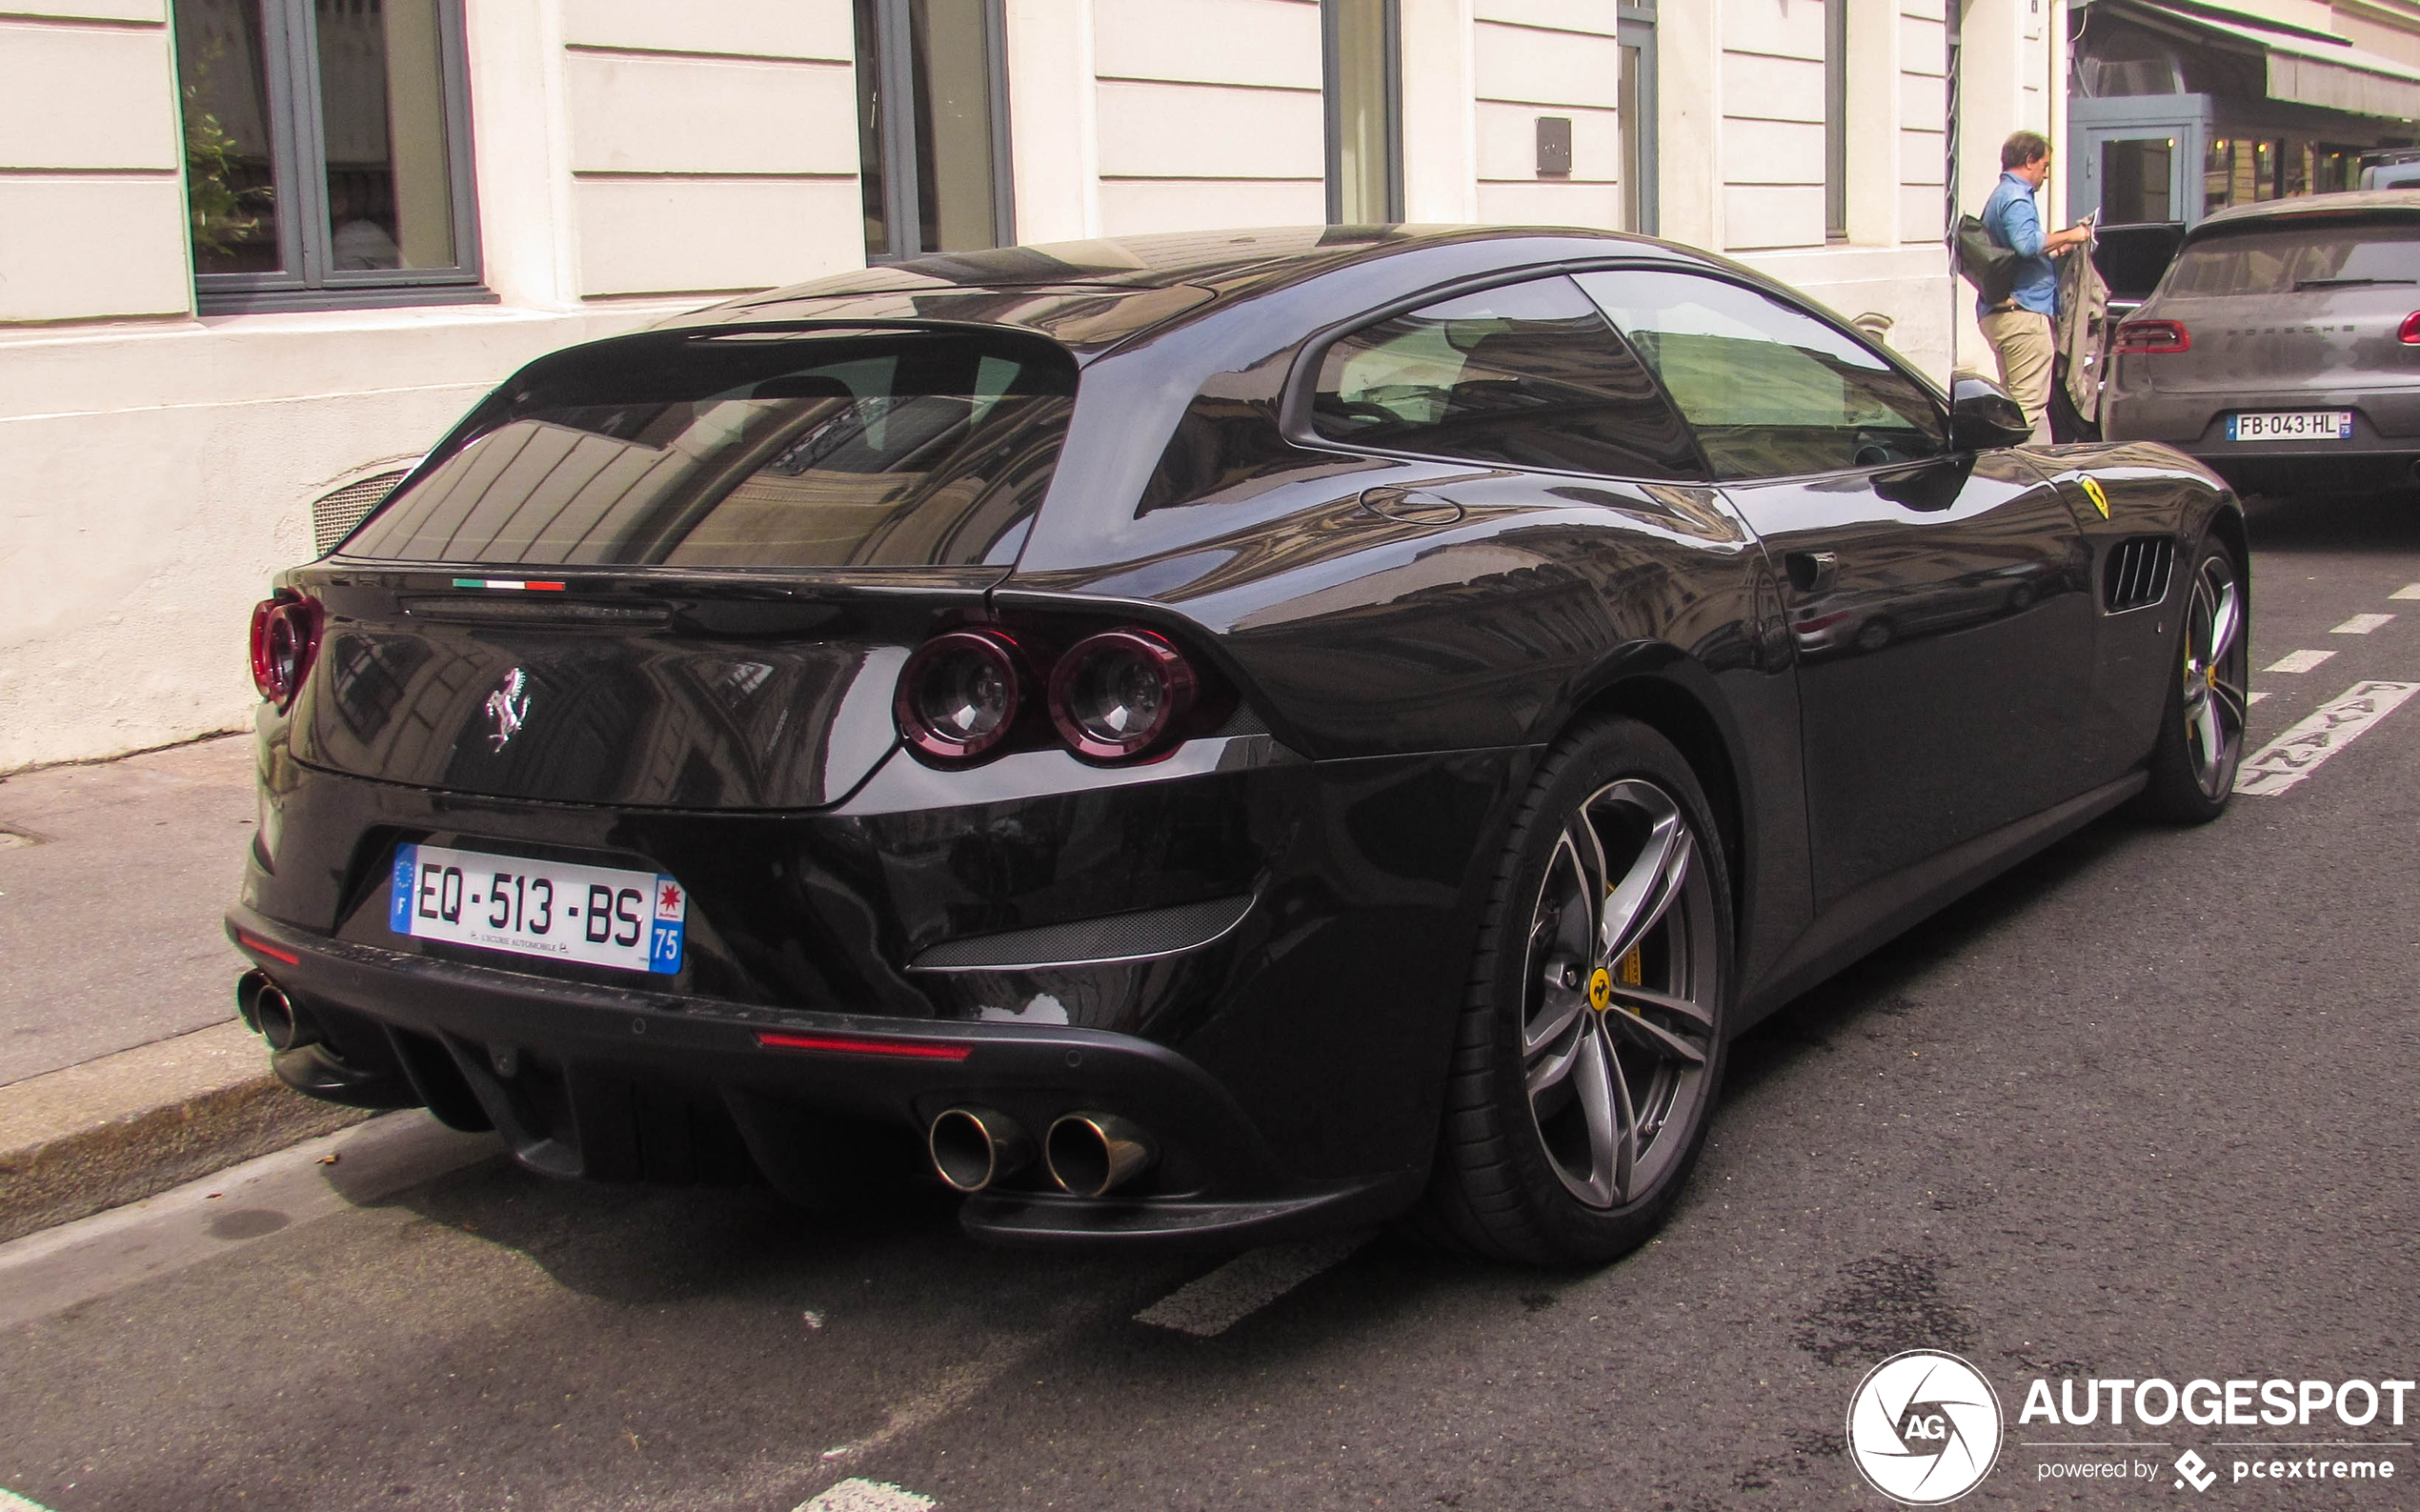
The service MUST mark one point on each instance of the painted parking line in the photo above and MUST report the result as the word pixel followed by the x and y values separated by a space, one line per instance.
pixel 1209 1305
pixel 2254 697
pixel 2298 661
pixel 2407 591
pixel 2362 624
pixel 2298 752
pixel 853 1495
pixel 10 1502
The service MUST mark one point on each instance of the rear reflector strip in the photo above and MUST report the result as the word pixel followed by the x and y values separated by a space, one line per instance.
pixel 908 1049
pixel 513 583
pixel 255 943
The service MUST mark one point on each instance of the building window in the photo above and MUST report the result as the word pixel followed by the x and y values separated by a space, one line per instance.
pixel 1835 119
pixel 1635 109
pixel 327 153
pixel 1362 40
pixel 932 126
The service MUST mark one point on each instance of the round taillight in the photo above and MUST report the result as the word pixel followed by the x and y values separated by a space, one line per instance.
pixel 2409 332
pixel 1115 695
pixel 959 694
pixel 285 635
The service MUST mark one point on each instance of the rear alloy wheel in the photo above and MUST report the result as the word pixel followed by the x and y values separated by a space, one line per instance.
pixel 2201 743
pixel 1592 1046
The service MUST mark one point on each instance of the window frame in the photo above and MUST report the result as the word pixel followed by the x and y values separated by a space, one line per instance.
pixel 1332 106
pixel 894 63
pixel 1642 141
pixel 1294 406
pixel 305 238
pixel 1950 450
pixel 1835 120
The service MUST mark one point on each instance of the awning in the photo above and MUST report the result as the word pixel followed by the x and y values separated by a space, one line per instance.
pixel 2305 67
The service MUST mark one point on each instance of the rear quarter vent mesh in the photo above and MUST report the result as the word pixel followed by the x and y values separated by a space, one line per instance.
pixel 2135 573
pixel 333 515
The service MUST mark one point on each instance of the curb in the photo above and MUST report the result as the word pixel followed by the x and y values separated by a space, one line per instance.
pixel 128 1125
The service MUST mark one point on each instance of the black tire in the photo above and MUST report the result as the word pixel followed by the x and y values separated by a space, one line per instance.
pixel 2202 718
pixel 1533 1179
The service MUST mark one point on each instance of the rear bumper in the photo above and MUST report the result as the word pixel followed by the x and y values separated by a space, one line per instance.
pixel 1197 947
pixel 2195 424
pixel 588 1082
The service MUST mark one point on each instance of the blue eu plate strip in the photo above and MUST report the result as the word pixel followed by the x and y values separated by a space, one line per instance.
pixel 399 905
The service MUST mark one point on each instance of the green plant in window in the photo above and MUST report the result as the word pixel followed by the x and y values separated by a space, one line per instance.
pixel 227 209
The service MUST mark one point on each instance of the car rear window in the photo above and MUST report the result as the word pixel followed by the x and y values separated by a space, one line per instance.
pixel 2281 260
pixel 747 450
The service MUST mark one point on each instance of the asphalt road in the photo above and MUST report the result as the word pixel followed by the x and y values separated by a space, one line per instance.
pixel 2143 1108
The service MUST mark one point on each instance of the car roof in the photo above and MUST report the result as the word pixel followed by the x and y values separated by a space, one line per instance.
pixel 1092 295
pixel 2348 202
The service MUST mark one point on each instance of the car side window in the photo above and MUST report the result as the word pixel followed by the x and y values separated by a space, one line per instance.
pixel 1770 392
pixel 1528 376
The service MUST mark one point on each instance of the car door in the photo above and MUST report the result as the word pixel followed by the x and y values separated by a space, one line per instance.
pixel 1936 599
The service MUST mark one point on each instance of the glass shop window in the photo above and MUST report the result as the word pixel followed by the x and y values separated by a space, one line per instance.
pixel 1361 42
pixel 932 126
pixel 2134 180
pixel 327 153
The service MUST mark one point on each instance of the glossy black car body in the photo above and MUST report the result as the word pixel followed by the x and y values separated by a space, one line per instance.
pixel 1255 946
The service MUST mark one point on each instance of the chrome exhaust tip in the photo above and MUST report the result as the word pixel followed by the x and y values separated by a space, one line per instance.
pixel 974 1148
pixel 1094 1154
pixel 277 1020
pixel 247 988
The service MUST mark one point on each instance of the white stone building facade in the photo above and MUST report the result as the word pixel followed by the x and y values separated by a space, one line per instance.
pixel 184 366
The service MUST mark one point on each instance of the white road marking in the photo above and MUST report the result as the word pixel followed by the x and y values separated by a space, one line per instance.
pixel 1209 1305
pixel 10 1502
pixel 2298 661
pixel 957 1385
pixel 2407 591
pixel 2362 624
pixel 861 1496
pixel 92 1257
pixel 2298 752
pixel 2254 697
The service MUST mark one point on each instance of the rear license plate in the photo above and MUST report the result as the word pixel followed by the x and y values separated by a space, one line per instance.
pixel 2290 425
pixel 599 915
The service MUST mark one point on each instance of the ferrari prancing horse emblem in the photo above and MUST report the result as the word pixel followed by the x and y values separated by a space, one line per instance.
pixel 508 706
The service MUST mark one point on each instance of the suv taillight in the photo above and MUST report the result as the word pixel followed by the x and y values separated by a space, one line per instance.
pixel 2153 335
pixel 285 637
pixel 2410 334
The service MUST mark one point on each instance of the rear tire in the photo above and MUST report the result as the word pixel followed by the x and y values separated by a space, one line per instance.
pixel 2201 741
pixel 1590 1049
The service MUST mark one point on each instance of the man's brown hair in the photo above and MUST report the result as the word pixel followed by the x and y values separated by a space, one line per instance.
pixel 2023 148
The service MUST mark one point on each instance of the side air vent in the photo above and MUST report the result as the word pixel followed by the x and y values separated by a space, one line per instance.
pixel 2135 573
pixel 333 518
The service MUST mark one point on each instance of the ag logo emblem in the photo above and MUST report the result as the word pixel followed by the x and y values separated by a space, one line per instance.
pixel 1923 1427
pixel 508 706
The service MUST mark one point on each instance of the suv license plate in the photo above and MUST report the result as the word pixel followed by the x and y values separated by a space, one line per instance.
pixel 2290 425
pixel 599 915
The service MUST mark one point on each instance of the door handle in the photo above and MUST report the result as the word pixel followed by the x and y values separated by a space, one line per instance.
pixel 1812 571
pixel 1411 506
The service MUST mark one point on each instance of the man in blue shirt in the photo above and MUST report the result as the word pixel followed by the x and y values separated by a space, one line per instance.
pixel 2019 327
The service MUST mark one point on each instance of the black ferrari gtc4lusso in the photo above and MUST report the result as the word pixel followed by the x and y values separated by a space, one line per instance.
pixel 1216 737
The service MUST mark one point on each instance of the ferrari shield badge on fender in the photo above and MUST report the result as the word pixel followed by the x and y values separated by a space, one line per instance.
pixel 508 706
pixel 2093 490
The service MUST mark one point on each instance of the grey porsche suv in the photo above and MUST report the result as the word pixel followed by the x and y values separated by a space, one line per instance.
pixel 2283 347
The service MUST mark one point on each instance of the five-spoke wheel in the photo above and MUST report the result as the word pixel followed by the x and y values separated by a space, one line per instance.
pixel 1615 1038
pixel 1592 1046
pixel 2201 740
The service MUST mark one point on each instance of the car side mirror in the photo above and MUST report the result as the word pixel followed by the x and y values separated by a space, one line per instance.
pixel 1982 415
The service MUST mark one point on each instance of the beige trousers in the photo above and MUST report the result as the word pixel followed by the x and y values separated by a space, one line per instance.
pixel 2021 339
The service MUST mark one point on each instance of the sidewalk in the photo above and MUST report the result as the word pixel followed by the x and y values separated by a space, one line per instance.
pixel 121 1070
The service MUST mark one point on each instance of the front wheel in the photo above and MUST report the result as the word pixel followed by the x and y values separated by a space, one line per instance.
pixel 2192 772
pixel 1591 1046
